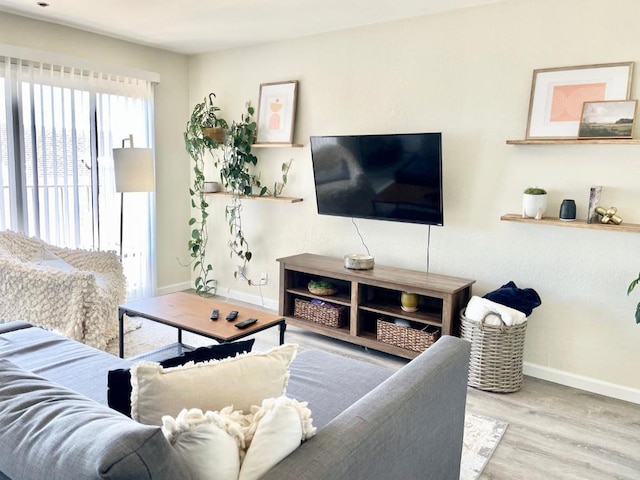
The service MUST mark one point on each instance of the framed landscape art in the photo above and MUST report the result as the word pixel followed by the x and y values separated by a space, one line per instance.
pixel 276 112
pixel 558 94
pixel 611 119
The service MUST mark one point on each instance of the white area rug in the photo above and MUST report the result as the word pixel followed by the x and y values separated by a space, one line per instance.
pixel 481 437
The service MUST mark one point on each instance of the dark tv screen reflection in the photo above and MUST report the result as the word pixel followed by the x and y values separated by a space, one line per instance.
pixel 388 177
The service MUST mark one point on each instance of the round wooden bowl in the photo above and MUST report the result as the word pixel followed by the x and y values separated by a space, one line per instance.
pixel 322 291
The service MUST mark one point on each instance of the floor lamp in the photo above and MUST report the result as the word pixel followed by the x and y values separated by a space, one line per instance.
pixel 133 168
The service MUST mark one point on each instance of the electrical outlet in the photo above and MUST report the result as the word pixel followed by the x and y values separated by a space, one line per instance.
pixel 263 278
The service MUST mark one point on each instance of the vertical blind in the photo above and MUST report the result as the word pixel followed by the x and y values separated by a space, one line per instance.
pixel 58 126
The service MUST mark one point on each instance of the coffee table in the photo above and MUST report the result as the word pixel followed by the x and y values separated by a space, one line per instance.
pixel 190 312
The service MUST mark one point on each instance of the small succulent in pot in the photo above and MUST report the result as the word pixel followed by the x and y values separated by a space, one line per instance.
pixel 534 202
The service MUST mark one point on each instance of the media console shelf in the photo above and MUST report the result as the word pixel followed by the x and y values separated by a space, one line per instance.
pixel 369 295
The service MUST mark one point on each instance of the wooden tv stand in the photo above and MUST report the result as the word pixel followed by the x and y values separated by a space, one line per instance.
pixel 369 295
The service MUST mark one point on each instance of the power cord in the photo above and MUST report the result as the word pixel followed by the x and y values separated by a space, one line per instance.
pixel 361 239
pixel 428 245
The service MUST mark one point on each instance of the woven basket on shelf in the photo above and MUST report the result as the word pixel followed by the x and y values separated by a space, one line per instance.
pixel 330 316
pixel 495 364
pixel 405 337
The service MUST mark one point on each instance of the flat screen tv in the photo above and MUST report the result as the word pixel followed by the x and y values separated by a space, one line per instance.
pixel 388 177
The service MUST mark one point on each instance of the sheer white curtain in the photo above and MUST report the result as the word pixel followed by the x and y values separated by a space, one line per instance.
pixel 118 117
pixel 58 125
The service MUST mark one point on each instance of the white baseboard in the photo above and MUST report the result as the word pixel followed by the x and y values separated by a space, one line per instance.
pixel 582 383
pixel 267 303
pixel 176 287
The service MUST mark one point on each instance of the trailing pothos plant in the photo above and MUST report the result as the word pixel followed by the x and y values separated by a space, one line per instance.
pixel 197 144
pixel 277 186
pixel 237 159
pixel 633 285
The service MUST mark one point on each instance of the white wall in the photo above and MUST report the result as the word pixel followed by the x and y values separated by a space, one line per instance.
pixel 171 111
pixel 466 73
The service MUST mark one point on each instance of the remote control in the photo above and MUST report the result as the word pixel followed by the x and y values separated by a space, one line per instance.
pixel 232 315
pixel 214 314
pixel 246 323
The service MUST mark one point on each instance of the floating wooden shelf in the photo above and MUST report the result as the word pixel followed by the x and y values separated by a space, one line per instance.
pixel 258 197
pixel 277 145
pixel 625 227
pixel 575 141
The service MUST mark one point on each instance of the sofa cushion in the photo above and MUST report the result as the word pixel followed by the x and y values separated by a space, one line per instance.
pixel 241 381
pixel 213 444
pixel 205 443
pixel 331 383
pixel 51 432
pixel 280 424
pixel 119 380
pixel 70 364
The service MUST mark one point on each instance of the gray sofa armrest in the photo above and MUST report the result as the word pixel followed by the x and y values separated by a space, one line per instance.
pixel 54 433
pixel 410 426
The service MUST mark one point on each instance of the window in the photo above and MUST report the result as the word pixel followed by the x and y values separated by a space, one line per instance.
pixel 58 126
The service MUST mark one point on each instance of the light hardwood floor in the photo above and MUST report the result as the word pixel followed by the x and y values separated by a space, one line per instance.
pixel 554 432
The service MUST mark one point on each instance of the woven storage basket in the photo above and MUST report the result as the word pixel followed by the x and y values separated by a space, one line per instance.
pixel 495 364
pixel 405 337
pixel 329 316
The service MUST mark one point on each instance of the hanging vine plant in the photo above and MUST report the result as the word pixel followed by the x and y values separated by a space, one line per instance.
pixel 237 179
pixel 199 142
pixel 235 163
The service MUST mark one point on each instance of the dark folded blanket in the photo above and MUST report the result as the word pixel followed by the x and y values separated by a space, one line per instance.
pixel 522 299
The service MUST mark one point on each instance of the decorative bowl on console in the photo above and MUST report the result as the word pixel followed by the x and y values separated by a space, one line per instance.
pixel 321 287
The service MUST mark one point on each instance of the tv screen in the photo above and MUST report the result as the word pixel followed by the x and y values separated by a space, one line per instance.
pixel 389 177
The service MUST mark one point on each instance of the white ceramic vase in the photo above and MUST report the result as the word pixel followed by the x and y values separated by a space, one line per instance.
pixel 211 187
pixel 534 206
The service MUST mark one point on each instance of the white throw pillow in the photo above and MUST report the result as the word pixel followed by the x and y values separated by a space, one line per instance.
pixel 240 381
pixel 46 258
pixel 204 443
pixel 281 424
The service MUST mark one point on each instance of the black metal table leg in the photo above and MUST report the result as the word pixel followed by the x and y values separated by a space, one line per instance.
pixel 283 327
pixel 121 332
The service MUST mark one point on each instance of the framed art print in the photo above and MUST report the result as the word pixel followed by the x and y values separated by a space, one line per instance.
pixel 276 112
pixel 558 94
pixel 610 119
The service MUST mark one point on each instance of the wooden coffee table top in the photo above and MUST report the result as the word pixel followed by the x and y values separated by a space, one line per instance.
pixel 191 312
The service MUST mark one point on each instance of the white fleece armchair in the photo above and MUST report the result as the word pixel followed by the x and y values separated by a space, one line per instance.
pixel 74 292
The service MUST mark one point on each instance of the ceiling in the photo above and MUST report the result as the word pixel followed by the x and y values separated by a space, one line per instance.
pixel 197 26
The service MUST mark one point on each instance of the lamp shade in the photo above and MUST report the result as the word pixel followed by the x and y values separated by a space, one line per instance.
pixel 133 169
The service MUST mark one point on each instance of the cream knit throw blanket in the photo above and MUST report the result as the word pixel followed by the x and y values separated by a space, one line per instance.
pixel 80 302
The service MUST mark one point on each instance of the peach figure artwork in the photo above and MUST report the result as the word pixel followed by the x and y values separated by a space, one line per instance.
pixel 567 100
pixel 274 118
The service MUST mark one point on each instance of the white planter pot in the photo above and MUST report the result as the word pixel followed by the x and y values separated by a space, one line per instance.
pixel 211 187
pixel 534 206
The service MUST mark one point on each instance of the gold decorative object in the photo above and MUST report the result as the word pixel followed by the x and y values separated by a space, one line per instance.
pixel 609 215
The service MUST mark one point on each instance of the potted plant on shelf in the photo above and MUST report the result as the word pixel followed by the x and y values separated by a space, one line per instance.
pixel 198 144
pixel 534 202
pixel 214 127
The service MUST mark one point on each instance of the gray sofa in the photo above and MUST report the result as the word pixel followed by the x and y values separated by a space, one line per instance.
pixel 373 423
